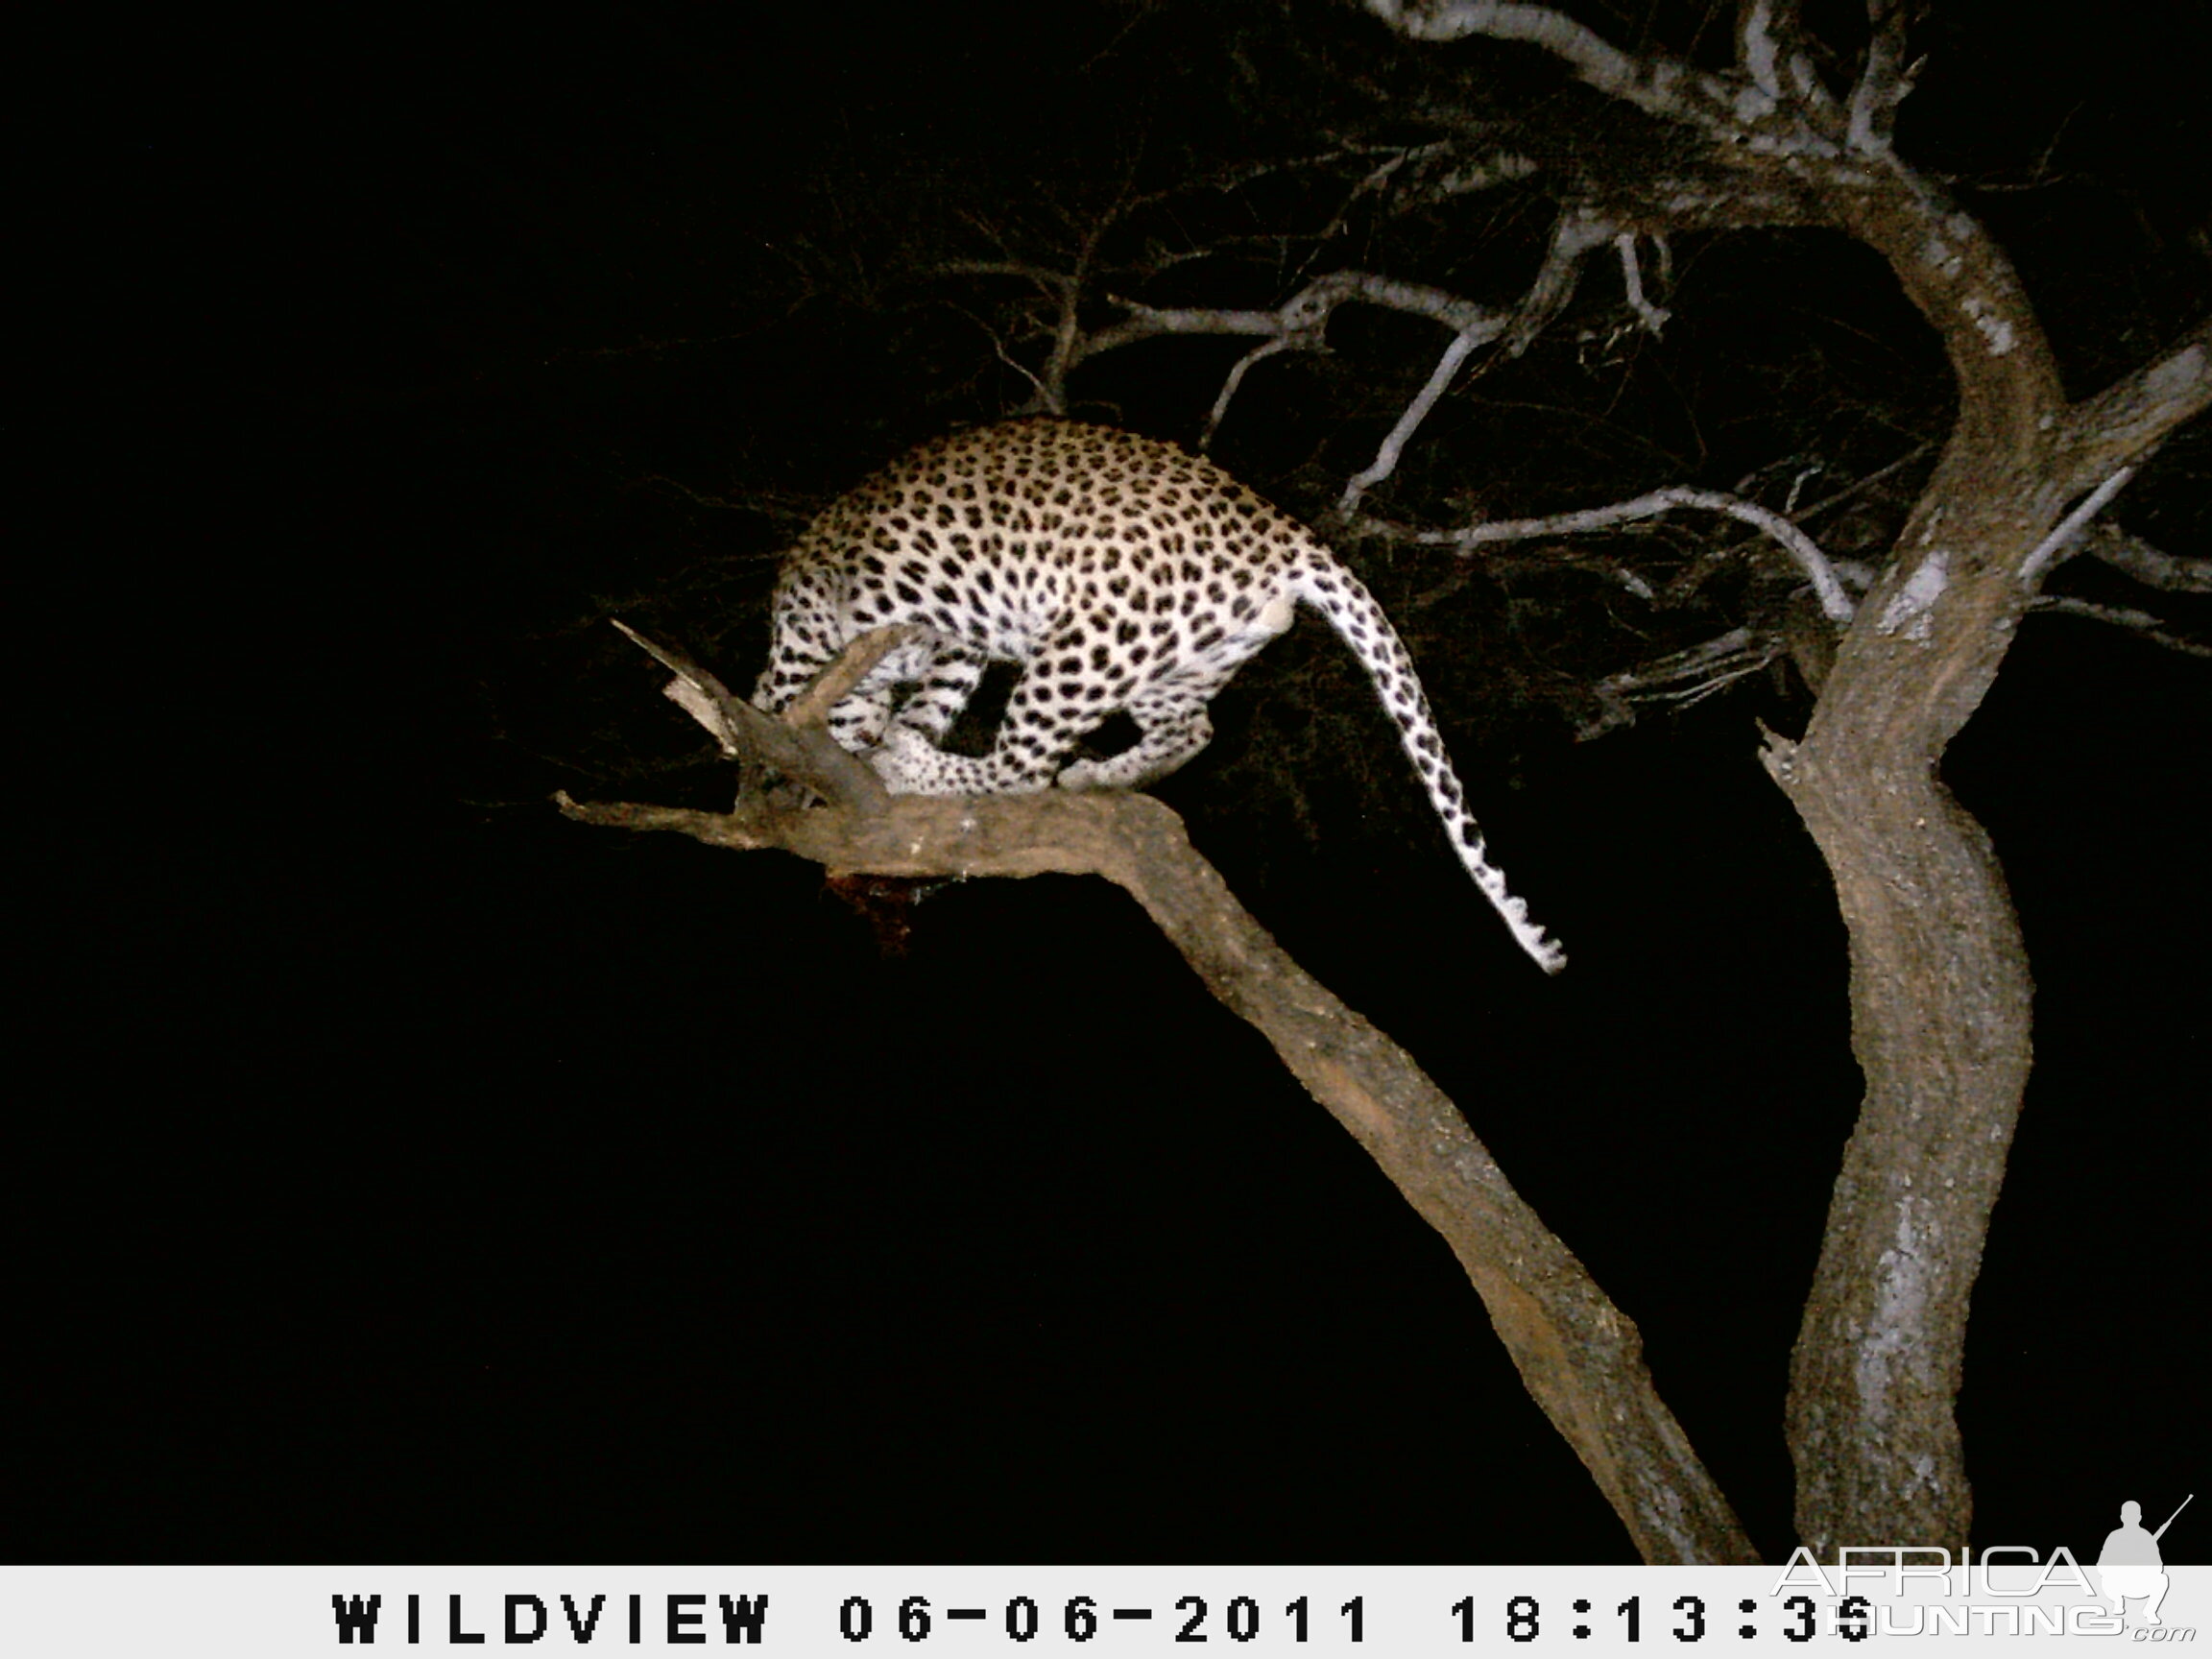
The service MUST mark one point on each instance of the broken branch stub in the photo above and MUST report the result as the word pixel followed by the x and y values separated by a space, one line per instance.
pixel 798 744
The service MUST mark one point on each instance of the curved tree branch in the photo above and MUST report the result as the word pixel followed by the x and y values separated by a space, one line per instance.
pixel 1835 602
pixel 1939 986
pixel 1579 1356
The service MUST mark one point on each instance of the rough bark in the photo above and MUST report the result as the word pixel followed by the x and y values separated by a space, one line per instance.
pixel 1940 1025
pixel 1579 1356
pixel 1941 992
pixel 1940 988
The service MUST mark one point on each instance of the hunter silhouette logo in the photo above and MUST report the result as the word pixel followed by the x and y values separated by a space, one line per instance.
pixel 2129 1565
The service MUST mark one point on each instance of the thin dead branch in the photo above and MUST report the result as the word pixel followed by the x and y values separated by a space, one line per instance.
pixel 1836 602
pixel 2070 527
pixel 2140 622
pixel 2150 566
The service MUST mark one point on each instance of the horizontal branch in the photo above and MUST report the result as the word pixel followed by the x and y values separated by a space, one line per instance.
pixel 1300 321
pixel 1697 671
pixel 2150 566
pixel 1594 61
pixel 2141 622
pixel 1835 602
pixel 1056 283
pixel 1685 678
pixel 1760 108
pixel 1301 324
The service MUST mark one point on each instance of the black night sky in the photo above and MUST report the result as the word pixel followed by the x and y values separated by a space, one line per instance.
pixel 403 1172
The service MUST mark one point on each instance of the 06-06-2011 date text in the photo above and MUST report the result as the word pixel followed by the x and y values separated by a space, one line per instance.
pixel 1519 1619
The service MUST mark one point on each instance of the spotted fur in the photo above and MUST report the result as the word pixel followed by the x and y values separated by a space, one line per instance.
pixel 1122 574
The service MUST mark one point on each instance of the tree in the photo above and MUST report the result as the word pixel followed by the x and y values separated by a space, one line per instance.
pixel 1795 130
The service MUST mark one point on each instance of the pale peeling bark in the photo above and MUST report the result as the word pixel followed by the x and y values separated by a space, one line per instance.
pixel 1579 1356
pixel 1941 991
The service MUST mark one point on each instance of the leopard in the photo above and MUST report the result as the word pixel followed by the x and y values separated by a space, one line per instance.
pixel 1120 574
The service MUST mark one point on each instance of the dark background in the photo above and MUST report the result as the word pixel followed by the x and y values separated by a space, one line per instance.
pixel 400 1171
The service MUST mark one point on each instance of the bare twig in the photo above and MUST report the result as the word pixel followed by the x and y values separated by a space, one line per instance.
pixel 1235 379
pixel 2149 627
pixel 1054 285
pixel 2069 528
pixel 1690 676
pixel 1652 317
pixel 1393 443
pixel 2150 566
pixel 1859 487
pixel 1573 237
pixel 1041 399
pixel 1885 80
pixel 1835 602
pixel 1300 322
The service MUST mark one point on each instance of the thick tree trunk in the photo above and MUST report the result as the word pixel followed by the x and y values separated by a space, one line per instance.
pixel 1939 986
pixel 1940 991
pixel 1940 1025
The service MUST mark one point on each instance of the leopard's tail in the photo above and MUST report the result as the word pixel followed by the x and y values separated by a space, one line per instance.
pixel 1352 611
